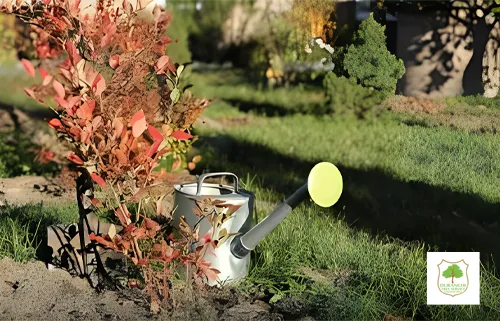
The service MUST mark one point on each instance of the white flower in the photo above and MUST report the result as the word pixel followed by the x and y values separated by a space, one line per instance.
pixel 329 49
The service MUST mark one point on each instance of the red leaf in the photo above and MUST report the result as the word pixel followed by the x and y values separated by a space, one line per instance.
pixel 64 104
pixel 181 135
pixel 75 159
pixel 118 126
pixel 138 123
pixel 101 240
pixel 154 148
pixel 72 52
pixel 120 155
pixel 98 179
pixel 162 62
pixel 85 136
pixel 85 111
pixel 123 215
pixel 211 273
pixel 28 66
pixel 96 122
pixel 30 93
pixel 139 233
pixel 74 8
pixel 114 61
pixel 73 100
pixel 59 89
pixel 109 29
pixel 47 80
pixel 55 123
pixel 43 73
pixel 155 133
pixel 99 85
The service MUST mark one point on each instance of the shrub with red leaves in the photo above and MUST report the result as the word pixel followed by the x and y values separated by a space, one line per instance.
pixel 117 100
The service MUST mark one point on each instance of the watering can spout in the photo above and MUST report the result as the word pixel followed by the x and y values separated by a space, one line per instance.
pixel 324 186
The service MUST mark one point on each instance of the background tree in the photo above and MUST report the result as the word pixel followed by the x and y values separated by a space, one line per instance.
pixel 369 62
pixel 479 17
pixel 453 271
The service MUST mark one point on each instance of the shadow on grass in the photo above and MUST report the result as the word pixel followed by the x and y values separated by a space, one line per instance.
pixel 373 200
pixel 37 218
pixel 275 110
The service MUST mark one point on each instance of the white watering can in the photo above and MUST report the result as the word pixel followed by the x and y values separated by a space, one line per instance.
pixel 231 258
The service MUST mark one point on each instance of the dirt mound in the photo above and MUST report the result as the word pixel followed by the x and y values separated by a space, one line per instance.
pixel 30 291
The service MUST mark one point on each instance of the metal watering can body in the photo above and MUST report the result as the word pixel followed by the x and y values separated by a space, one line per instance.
pixel 187 195
pixel 231 258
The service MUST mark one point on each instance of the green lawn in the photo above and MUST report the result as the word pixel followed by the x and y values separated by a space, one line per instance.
pixel 424 182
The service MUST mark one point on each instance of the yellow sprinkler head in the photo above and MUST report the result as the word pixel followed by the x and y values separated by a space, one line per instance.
pixel 325 184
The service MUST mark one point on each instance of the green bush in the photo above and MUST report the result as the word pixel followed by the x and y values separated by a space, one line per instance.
pixel 368 60
pixel 343 96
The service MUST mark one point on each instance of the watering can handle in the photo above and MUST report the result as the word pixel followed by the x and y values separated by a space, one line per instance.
pixel 202 178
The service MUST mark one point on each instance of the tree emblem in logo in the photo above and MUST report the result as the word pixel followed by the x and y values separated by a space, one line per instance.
pixel 453 279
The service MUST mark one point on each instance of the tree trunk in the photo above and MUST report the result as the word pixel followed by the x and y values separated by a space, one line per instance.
pixel 473 74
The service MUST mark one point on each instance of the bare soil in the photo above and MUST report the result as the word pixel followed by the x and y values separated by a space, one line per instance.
pixel 35 189
pixel 30 291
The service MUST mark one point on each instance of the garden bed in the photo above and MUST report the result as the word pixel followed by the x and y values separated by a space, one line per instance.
pixel 24 288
